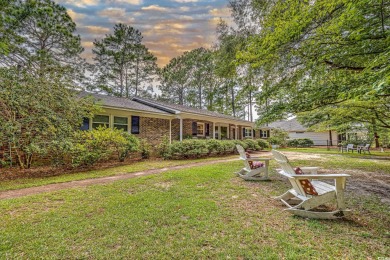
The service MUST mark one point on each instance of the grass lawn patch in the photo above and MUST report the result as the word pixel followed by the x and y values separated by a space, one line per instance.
pixel 133 167
pixel 201 212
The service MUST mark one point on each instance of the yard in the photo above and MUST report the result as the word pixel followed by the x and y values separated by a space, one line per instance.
pixel 198 212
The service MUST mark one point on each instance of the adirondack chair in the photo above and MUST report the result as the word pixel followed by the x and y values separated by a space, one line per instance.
pixel 300 203
pixel 253 170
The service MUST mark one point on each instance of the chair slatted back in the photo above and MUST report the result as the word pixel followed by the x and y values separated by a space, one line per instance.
pixel 243 157
pixel 288 171
pixel 349 146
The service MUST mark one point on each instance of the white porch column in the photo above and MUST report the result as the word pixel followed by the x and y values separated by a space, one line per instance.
pixel 213 130
pixel 236 132
pixel 170 131
pixel 181 129
pixel 219 132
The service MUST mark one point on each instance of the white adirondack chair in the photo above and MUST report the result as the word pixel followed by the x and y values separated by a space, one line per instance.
pixel 250 172
pixel 302 204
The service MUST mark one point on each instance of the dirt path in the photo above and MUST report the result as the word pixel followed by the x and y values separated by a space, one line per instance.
pixel 83 183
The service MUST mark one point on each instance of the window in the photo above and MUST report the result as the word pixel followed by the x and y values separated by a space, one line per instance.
pixel 200 129
pixel 85 125
pixel 264 133
pixel 194 129
pixel 101 120
pixel 247 132
pixel 224 132
pixel 207 129
pixel 135 124
pixel 121 123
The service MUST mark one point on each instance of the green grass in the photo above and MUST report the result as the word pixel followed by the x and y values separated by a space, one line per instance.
pixel 133 167
pixel 374 153
pixel 202 212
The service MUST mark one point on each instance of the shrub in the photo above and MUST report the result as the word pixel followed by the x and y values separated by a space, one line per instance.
pixel 252 144
pixel 278 137
pixel 145 149
pixel 243 144
pixel 89 147
pixel 195 148
pixel 163 148
pixel 301 142
pixel 262 143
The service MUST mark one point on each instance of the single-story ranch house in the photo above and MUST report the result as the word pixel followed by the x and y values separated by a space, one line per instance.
pixel 297 131
pixel 153 120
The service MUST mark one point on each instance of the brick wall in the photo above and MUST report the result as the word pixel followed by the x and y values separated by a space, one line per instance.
pixel 153 129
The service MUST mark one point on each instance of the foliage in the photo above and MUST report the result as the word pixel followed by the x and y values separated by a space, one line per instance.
pixel 262 143
pixel 124 66
pixel 278 137
pixel 300 142
pixel 145 149
pixel 196 148
pixel 43 39
pixel 163 148
pixel 324 55
pixel 90 147
pixel 252 144
pixel 35 111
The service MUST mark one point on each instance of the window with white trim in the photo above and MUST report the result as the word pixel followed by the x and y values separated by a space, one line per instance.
pixel 101 120
pixel 248 132
pixel 121 123
pixel 264 133
pixel 200 129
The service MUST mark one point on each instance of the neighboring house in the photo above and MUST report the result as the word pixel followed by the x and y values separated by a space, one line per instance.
pixel 154 120
pixel 296 131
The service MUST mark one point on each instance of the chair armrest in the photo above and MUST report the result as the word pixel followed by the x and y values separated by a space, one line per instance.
pixel 320 176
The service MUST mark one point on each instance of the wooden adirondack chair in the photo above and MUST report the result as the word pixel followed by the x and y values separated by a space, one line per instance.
pixel 300 203
pixel 253 170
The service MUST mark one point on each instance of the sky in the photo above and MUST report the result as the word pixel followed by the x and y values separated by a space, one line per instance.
pixel 169 27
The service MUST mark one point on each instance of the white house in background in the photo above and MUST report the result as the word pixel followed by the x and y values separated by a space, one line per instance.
pixel 297 131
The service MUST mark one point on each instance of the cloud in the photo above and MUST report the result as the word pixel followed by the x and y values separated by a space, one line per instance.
pixel 80 3
pixel 75 16
pixel 222 12
pixel 96 29
pixel 132 2
pixel 113 12
pixel 186 1
pixel 155 8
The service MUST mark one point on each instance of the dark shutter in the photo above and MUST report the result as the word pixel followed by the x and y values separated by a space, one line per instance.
pixel 268 134
pixel 207 129
pixel 261 133
pixel 194 128
pixel 85 125
pixel 254 133
pixel 135 124
pixel 243 132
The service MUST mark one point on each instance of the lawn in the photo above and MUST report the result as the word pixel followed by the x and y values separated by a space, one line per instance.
pixel 202 212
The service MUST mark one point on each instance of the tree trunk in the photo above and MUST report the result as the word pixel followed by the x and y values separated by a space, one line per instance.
pixel 330 138
pixel 375 133
pixel 233 102
pixel 136 77
pixel 250 106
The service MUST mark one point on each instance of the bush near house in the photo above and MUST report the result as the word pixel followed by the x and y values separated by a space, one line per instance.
pixel 195 148
pixel 90 147
pixel 300 142
pixel 262 143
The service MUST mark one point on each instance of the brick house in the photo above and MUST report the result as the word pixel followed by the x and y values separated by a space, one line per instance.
pixel 153 120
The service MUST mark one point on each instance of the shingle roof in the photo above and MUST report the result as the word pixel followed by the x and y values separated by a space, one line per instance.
pixel 122 103
pixel 147 105
pixel 291 125
pixel 174 108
